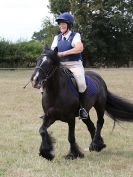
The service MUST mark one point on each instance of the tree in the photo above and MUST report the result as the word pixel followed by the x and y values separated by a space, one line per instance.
pixel 47 32
pixel 106 28
pixel 59 6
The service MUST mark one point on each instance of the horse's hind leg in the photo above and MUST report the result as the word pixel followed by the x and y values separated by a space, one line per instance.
pixel 74 151
pixel 97 142
pixel 90 126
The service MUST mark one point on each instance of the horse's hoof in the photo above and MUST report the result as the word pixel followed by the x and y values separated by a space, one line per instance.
pixel 97 147
pixel 47 155
pixel 72 156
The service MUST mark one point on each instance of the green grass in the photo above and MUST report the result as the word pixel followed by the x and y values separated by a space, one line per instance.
pixel 20 140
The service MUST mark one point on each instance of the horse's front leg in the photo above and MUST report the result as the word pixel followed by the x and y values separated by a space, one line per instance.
pixel 74 151
pixel 46 148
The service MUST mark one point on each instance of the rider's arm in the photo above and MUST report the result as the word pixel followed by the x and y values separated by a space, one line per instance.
pixel 77 46
pixel 54 43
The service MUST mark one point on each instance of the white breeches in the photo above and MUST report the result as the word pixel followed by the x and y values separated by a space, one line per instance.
pixel 77 69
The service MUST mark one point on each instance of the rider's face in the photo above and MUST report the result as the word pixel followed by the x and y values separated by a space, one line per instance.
pixel 63 27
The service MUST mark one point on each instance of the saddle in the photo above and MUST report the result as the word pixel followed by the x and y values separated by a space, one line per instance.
pixel 91 85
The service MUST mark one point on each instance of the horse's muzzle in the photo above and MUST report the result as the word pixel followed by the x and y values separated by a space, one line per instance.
pixel 35 85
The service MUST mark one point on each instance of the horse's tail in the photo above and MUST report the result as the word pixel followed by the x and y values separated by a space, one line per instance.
pixel 119 108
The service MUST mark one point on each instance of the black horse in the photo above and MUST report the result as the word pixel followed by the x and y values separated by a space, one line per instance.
pixel 60 101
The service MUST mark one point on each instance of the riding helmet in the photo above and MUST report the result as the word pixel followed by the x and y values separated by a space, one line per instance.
pixel 66 17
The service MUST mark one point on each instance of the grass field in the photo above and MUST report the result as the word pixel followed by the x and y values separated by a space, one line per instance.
pixel 20 140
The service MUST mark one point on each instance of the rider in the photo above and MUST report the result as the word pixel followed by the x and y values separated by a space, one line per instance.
pixel 69 50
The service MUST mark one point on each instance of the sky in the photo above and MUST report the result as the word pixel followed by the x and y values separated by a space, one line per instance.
pixel 19 19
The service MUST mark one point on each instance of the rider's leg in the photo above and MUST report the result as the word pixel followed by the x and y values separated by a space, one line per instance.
pixel 82 111
pixel 77 69
pixel 82 94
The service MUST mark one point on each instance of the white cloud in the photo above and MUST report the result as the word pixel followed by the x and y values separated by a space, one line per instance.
pixel 20 18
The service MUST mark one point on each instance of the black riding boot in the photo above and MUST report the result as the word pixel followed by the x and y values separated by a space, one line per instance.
pixel 82 112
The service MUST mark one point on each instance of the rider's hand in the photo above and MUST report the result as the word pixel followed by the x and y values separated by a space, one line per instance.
pixel 61 54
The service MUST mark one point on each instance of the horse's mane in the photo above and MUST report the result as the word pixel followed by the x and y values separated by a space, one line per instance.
pixel 52 54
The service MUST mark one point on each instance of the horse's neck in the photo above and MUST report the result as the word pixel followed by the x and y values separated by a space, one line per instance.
pixel 53 83
pixel 57 81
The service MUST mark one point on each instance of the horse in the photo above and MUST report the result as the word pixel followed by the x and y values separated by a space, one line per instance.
pixel 60 101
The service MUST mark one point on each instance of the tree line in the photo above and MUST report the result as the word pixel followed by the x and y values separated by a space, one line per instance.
pixel 106 28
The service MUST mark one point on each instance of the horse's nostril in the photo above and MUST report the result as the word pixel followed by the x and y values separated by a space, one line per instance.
pixel 35 85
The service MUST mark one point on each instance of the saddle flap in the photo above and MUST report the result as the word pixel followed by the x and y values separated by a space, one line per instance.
pixel 91 85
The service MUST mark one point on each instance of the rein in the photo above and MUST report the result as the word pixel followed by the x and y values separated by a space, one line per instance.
pixel 48 74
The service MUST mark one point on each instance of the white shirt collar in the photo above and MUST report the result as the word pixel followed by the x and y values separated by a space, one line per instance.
pixel 67 35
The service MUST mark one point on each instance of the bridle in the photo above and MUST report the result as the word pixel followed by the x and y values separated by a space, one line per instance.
pixel 48 73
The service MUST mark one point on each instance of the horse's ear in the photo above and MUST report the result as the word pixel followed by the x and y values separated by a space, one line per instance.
pixel 56 50
pixel 45 49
